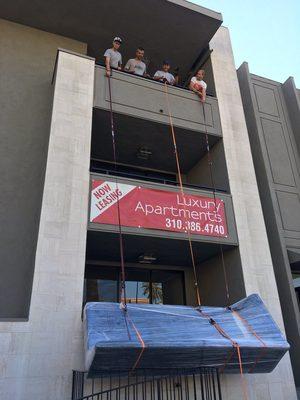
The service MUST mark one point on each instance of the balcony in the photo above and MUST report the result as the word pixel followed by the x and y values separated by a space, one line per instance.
pixel 137 97
pixel 204 227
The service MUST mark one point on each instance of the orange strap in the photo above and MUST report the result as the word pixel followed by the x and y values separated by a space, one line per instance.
pixel 183 194
pixel 123 285
pixel 264 346
pixel 235 346
pixel 143 346
pixel 210 164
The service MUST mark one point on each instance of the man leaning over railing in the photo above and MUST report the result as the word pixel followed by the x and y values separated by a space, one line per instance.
pixel 198 86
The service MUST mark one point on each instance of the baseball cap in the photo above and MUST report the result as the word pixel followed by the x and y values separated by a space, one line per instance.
pixel 117 39
pixel 166 62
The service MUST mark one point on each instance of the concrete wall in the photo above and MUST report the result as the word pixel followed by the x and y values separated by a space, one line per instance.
pixel 27 59
pixel 257 267
pixel 37 356
pixel 276 162
pixel 212 279
pixel 142 98
pixel 200 173
pixel 292 100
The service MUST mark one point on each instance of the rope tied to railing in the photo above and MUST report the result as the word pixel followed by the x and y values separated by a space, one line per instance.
pixel 183 195
pixel 210 320
pixel 123 302
pixel 210 164
pixel 123 284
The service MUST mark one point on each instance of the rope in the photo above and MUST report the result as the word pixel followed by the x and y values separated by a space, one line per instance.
pixel 217 326
pixel 235 345
pixel 123 286
pixel 123 305
pixel 251 330
pixel 143 346
pixel 213 322
pixel 183 194
pixel 210 164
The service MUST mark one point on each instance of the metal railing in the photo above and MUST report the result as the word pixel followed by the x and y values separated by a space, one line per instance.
pixel 131 175
pixel 204 384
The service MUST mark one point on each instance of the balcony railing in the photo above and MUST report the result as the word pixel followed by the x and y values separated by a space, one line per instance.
pixel 151 178
pixel 205 230
pixel 145 98
pixel 203 384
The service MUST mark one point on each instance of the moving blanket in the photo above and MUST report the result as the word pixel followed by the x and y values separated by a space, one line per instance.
pixel 180 339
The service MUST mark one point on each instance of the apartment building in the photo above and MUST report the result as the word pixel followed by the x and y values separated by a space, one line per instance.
pixel 61 247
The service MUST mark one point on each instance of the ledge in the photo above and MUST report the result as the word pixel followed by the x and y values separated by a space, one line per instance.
pixel 68 52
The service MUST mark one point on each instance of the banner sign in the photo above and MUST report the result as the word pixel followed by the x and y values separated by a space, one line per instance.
pixel 142 207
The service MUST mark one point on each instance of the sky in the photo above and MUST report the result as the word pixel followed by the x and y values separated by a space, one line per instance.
pixel 265 33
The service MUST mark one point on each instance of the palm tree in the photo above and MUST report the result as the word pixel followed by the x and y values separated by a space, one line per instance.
pixel 157 295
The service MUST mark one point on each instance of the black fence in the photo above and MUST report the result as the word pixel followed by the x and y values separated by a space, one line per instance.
pixel 202 385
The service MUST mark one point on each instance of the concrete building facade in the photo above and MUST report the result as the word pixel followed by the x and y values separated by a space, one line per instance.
pixel 272 113
pixel 56 130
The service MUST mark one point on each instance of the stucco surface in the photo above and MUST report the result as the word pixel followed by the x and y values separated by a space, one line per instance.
pixel 37 357
pixel 254 249
pixel 27 58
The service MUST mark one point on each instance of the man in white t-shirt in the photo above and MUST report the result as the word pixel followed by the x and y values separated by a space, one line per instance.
pixel 136 65
pixel 113 58
pixel 198 85
pixel 164 75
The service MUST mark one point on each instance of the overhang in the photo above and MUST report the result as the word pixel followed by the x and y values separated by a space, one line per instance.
pixel 173 29
pixel 133 134
pixel 104 246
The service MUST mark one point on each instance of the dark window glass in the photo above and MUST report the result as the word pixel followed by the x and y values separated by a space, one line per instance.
pixel 142 285
pixel 101 284
pixel 171 284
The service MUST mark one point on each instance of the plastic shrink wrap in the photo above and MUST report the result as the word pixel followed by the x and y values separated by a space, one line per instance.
pixel 180 339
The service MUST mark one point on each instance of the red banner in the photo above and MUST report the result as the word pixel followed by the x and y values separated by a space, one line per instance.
pixel 142 207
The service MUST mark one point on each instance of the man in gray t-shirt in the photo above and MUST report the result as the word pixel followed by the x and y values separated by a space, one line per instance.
pixel 113 58
pixel 164 75
pixel 136 65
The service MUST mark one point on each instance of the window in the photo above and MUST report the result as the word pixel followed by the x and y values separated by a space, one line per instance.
pixel 150 286
pixel 101 284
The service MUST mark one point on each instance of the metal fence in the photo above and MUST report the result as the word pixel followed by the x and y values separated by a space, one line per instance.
pixel 202 385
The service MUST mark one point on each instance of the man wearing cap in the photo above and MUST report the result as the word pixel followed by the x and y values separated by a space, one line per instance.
pixel 164 75
pixel 136 65
pixel 113 58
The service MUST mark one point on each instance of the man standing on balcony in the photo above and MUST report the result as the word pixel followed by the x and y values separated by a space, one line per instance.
pixel 198 85
pixel 164 75
pixel 136 65
pixel 113 58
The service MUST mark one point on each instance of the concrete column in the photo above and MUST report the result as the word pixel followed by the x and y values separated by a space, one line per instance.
pixel 254 250
pixel 37 357
pixel 292 100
